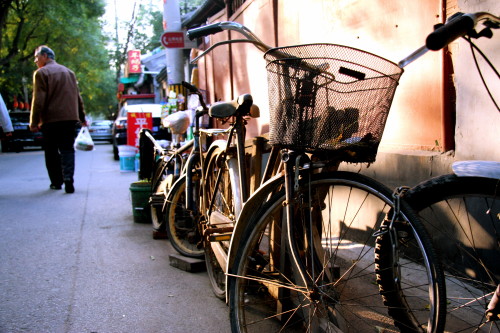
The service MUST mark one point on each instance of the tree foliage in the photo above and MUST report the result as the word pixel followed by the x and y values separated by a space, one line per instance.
pixel 73 30
pixel 143 32
pixel 187 6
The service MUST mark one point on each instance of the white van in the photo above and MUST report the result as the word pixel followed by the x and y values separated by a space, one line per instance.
pixel 120 124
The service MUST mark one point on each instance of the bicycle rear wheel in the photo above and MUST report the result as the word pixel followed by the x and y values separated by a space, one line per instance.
pixel 462 214
pixel 181 225
pixel 226 204
pixel 337 246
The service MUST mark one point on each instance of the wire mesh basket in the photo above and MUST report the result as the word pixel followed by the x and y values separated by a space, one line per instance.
pixel 332 98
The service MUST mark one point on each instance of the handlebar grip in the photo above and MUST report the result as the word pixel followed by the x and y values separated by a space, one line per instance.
pixel 447 33
pixel 189 87
pixel 204 31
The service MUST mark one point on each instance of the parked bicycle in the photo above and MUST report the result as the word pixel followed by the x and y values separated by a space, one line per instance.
pixel 203 204
pixel 166 167
pixel 462 213
pixel 322 250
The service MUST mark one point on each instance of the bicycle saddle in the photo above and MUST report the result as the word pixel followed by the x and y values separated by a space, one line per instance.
pixel 242 105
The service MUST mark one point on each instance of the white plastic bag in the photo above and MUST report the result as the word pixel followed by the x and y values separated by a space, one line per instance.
pixel 84 141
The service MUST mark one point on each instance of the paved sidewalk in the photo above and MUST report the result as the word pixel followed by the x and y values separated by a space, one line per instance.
pixel 78 263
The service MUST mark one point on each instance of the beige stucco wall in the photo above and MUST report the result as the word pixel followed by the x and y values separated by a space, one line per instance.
pixel 387 28
pixel 478 120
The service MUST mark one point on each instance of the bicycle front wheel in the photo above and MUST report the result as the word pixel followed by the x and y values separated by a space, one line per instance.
pixel 462 214
pixel 336 218
pixel 224 202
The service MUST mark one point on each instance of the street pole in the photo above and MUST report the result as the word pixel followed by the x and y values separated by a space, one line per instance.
pixel 175 64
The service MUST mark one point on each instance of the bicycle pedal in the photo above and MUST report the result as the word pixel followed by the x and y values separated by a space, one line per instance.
pixel 157 199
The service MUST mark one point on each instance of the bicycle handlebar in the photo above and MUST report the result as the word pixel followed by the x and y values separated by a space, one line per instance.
pixel 205 30
pixel 457 26
pixel 194 90
pixel 214 28
pixel 157 146
pixel 248 34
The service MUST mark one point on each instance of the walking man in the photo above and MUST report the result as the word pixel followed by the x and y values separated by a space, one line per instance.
pixel 56 108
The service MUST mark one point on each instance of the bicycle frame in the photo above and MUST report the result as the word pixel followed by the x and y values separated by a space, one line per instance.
pixel 199 157
pixel 166 158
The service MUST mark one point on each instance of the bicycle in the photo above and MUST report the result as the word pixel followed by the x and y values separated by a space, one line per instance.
pixel 163 167
pixel 204 202
pixel 441 189
pixel 462 213
pixel 306 252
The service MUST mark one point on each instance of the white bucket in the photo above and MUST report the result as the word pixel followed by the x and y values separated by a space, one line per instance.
pixel 127 158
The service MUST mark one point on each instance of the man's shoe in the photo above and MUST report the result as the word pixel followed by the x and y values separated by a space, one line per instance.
pixel 68 186
pixel 55 187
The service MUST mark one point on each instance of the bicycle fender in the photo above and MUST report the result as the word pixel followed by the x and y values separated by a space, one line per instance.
pixel 250 207
pixel 222 144
pixel 231 163
pixel 488 169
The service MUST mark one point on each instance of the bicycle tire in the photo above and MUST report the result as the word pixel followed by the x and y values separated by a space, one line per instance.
pixel 159 193
pixel 159 188
pixel 181 225
pixel 227 203
pixel 462 214
pixel 344 295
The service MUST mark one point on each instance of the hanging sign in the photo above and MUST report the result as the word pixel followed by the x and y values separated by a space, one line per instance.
pixel 176 40
pixel 134 62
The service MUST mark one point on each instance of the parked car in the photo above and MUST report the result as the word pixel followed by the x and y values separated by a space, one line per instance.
pixel 22 136
pixel 101 130
pixel 120 124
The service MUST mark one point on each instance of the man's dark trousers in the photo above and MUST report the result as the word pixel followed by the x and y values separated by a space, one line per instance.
pixel 59 138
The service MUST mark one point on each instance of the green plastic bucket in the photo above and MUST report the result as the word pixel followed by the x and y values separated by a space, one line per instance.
pixel 140 193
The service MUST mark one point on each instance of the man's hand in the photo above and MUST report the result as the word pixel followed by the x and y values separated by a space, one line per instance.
pixel 34 128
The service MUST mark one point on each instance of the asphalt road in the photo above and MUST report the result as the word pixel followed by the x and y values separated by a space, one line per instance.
pixel 78 262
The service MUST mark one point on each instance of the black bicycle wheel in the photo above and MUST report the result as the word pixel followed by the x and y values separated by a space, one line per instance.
pixel 159 188
pixel 181 225
pixel 224 203
pixel 462 215
pixel 334 233
pixel 162 183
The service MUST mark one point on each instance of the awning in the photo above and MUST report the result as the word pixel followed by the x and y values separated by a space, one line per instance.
pixel 162 76
pixel 130 79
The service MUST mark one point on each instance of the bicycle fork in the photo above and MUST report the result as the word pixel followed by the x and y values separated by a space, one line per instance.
pixel 291 183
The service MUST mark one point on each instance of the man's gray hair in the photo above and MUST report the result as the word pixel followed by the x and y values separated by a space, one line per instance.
pixel 44 49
